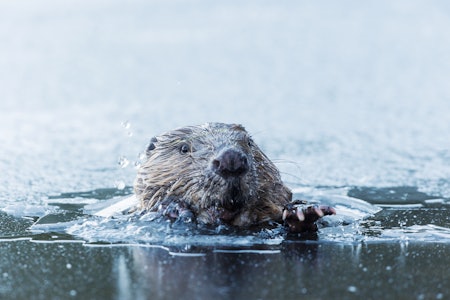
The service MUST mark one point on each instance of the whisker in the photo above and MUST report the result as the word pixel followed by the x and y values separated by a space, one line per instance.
pixel 296 180
pixel 295 175
pixel 287 161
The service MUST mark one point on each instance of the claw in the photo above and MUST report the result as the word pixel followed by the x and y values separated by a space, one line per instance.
pixel 300 215
pixel 327 210
pixel 318 211
pixel 285 214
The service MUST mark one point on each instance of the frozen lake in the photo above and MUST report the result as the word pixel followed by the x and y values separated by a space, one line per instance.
pixel 350 100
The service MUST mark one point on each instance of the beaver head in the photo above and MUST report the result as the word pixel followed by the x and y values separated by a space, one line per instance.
pixel 211 166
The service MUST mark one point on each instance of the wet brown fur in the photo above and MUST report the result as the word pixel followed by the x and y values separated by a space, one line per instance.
pixel 178 171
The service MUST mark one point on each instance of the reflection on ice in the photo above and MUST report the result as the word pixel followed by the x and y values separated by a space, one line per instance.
pixel 417 233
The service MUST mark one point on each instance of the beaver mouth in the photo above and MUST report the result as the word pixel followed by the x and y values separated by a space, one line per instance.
pixel 232 194
pixel 234 198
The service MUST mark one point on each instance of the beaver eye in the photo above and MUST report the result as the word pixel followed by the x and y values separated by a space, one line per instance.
pixel 185 148
pixel 151 146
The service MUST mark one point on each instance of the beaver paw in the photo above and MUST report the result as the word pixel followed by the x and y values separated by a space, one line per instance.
pixel 176 212
pixel 301 218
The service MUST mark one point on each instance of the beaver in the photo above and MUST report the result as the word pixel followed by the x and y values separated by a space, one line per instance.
pixel 216 174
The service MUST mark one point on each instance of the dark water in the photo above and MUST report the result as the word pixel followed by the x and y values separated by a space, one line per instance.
pixel 292 270
pixel 401 252
pixel 349 99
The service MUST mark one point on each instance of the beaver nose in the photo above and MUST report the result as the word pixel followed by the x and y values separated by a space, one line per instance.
pixel 230 163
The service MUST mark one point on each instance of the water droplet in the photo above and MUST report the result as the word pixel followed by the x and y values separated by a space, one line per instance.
pixel 126 124
pixel 73 293
pixel 142 156
pixel 69 266
pixel 120 185
pixel 129 134
pixel 352 289
pixel 123 162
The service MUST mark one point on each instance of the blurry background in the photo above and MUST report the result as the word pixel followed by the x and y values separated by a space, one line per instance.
pixel 337 93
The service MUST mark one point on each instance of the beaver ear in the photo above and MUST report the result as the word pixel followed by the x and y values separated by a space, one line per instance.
pixel 238 127
pixel 151 146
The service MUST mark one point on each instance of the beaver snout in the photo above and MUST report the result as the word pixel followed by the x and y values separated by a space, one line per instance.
pixel 230 163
